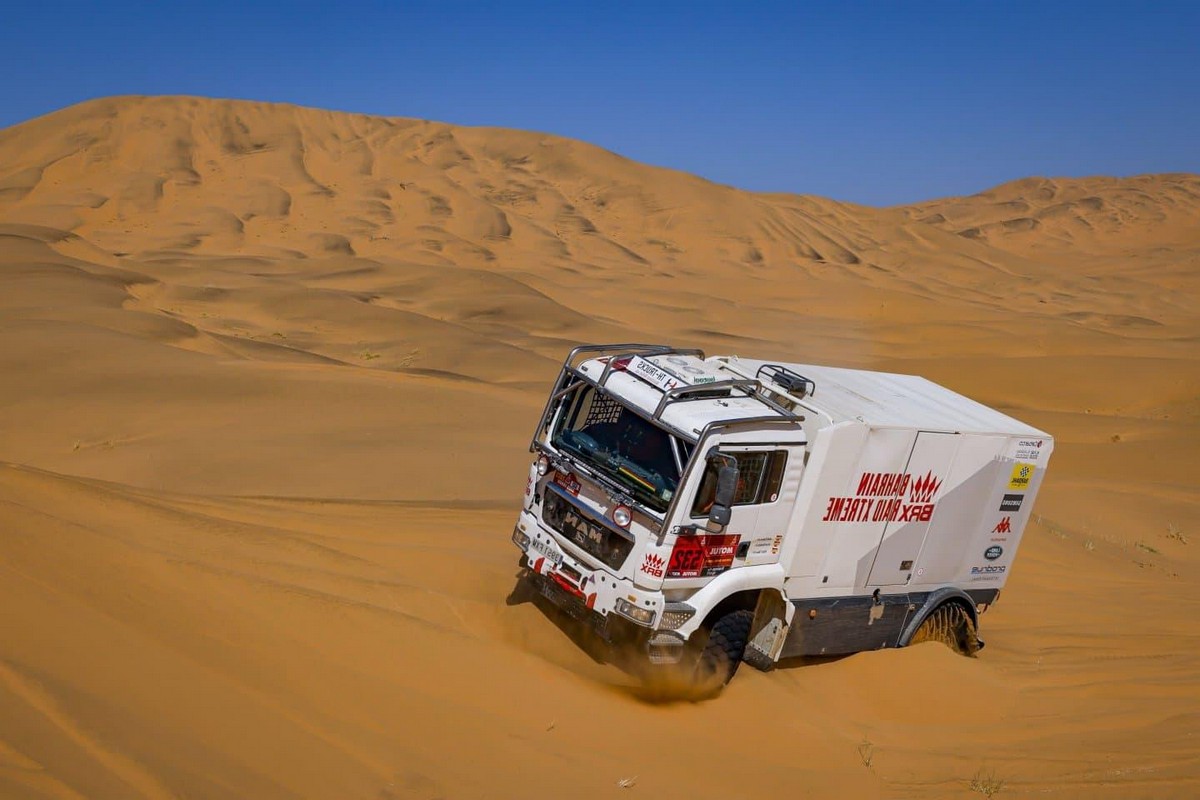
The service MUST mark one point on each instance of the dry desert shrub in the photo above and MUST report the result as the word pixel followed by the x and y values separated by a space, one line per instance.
pixel 986 783
pixel 866 752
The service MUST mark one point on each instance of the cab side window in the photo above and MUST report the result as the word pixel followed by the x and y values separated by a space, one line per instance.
pixel 759 477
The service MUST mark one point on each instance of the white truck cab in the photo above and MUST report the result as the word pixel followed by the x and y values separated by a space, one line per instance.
pixel 717 509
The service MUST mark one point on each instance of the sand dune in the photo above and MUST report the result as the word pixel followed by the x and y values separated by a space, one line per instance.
pixel 268 375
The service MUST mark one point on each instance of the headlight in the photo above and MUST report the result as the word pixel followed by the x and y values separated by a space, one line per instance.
pixel 543 465
pixel 520 538
pixel 642 616
pixel 622 516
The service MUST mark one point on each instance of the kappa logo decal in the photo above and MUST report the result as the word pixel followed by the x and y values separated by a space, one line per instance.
pixel 653 565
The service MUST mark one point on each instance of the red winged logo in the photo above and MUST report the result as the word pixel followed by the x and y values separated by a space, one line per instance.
pixel 653 565
pixel 923 489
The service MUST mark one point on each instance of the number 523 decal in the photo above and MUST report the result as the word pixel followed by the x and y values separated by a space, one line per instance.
pixel 702 556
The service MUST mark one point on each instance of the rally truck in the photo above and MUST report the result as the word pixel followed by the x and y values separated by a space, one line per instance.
pixel 707 511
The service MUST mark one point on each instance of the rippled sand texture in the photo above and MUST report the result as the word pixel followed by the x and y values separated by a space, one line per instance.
pixel 267 378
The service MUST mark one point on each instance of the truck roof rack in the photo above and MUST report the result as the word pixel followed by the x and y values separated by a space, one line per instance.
pixel 706 391
pixel 616 351
pixel 752 387
pixel 778 388
pixel 789 380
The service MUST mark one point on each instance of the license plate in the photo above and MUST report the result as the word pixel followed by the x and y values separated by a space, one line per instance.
pixel 546 549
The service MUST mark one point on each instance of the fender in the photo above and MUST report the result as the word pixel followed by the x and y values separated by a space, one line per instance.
pixel 739 579
pixel 936 598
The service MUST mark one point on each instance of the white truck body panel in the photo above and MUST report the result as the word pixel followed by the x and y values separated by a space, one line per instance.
pixel 891 493
pixel 890 400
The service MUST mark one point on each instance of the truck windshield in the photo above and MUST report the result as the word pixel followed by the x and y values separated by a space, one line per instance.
pixel 621 445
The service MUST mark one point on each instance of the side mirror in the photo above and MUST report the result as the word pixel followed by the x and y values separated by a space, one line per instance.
pixel 727 478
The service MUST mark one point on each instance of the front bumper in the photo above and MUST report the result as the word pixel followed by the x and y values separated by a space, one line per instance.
pixel 577 587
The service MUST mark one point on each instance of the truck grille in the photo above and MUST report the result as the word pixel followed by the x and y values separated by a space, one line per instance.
pixel 585 530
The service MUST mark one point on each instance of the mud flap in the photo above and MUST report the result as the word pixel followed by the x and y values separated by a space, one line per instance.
pixel 767 632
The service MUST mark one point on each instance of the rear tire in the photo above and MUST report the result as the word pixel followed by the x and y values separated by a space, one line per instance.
pixel 951 625
pixel 722 653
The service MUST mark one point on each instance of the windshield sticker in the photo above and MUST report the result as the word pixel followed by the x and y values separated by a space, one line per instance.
pixel 569 482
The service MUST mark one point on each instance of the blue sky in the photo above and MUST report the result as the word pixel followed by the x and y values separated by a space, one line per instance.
pixel 878 103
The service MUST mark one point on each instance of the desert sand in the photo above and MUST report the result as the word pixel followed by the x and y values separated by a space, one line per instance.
pixel 268 376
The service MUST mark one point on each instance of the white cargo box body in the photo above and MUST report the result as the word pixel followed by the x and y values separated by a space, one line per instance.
pixel 859 509
pixel 909 487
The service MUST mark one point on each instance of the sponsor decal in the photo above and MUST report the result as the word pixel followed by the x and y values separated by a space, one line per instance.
pixel 759 547
pixel 1022 474
pixel 696 374
pixel 886 497
pixel 1003 526
pixel 766 546
pixel 989 569
pixel 1011 502
pixel 993 552
pixel 652 565
pixel 654 375
pixel 925 488
pixel 702 556
pixel 569 482
pixel 1030 449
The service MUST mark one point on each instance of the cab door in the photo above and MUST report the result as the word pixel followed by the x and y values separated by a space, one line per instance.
pixel 770 465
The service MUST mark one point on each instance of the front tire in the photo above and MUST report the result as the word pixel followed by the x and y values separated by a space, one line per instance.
pixel 951 625
pixel 722 653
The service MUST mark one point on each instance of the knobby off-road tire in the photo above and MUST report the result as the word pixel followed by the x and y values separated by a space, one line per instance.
pixel 723 651
pixel 951 625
